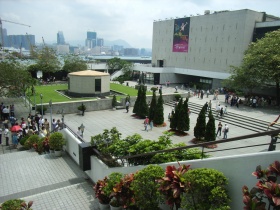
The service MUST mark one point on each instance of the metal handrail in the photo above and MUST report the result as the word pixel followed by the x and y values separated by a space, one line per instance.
pixel 203 145
pixel 74 133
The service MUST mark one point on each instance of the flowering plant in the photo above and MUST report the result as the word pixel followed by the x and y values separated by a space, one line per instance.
pixel 266 188
pixel 99 191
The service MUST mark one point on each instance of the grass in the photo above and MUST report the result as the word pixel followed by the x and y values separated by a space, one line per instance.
pixel 49 93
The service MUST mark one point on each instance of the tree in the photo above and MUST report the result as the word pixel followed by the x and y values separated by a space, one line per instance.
pixel 15 79
pixel 159 111
pixel 136 105
pixel 47 60
pixel 114 64
pixel 143 110
pixel 200 127
pixel 127 70
pixel 153 106
pixel 74 63
pixel 210 133
pixel 175 117
pixel 261 62
pixel 184 118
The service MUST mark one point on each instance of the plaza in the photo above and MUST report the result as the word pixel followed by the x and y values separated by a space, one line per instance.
pixel 58 183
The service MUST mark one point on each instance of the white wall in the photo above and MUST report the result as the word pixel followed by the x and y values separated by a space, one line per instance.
pixel 72 145
pixel 238 169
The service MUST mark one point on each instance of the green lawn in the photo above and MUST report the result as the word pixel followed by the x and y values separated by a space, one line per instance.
pixel 49 93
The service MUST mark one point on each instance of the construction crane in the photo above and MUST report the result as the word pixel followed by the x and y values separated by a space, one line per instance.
pixel 1 29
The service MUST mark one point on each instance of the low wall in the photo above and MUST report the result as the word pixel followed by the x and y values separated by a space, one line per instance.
pixel 238 169
pixel 72 145
pixel 99 104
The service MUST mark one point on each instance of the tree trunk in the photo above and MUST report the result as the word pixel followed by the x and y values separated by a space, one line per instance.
pixel 277 93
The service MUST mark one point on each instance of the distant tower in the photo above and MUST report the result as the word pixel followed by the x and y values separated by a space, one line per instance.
pixel 60 38
pixel 91 39
pixel 100 42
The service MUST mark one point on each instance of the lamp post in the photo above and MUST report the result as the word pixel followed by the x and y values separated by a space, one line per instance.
pixel 50 103
pixel 41 96
pixel 82 127
pixel 62 118
pixel 34 101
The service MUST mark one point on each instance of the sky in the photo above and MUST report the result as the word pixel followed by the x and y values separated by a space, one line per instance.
pixel 129 20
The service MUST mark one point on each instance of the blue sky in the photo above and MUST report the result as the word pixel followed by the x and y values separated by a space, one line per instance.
pixel 130 20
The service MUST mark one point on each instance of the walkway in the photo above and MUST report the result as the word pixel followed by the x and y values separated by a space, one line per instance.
pixel 58 183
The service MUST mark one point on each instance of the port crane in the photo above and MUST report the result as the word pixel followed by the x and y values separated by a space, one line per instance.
pixel 1 29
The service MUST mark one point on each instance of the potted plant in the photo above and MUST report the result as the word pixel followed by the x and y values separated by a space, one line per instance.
pixel 56 142
pixel 38 146
pixel 172 185
pixel 267 188
pixel 145 187
pixel 33 139
pixel 123 193
pixel 82 108
pixel 114 102
pixel 205 188
pixel 103 198
pixel 16 204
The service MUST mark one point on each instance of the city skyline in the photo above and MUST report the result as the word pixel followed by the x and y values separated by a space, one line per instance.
pixel 112 20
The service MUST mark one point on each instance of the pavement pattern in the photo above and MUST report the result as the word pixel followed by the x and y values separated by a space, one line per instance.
pixel 58 183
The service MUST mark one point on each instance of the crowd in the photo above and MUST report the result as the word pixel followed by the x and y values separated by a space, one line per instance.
pixel 18 128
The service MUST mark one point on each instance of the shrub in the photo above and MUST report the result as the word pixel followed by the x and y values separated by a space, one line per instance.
pixel 114 101
pixel 206 190
pixel 177 97
pixel 56 141
pixel 16 204
pixel 82 107
pixel 31 141
pixel 23 140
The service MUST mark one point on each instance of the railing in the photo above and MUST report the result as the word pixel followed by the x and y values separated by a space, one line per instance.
pixel 203 145
pixel 74 133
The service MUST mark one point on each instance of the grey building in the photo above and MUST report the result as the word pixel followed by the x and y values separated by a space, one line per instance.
pixel 201 49
pixel 60 38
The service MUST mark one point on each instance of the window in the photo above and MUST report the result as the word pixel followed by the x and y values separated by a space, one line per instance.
pixel 98 85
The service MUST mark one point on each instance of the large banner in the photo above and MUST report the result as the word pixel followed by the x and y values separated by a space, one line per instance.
pixel 181 35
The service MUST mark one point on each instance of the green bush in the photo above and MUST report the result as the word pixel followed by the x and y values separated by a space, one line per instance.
pixel 177 97
pixel 145 187
pixel 114 101
pixel 56 141
pixel 23 140
pixel 206 190
pixel 31 141
pixel 16 204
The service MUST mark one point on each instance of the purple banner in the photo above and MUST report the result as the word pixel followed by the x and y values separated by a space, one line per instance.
pixel 181 35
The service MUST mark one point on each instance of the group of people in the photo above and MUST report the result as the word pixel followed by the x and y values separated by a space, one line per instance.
pixel 18 128
pixel 220 129
pixel 148 122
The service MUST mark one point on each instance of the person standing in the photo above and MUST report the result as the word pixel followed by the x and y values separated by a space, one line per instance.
pixel 7 133
pixel 219 130
pixel 15 139
pixel 207 93
pixel 222 112
pixel 1 135
pixel 47 125
pixel 225 130
pixel 127 106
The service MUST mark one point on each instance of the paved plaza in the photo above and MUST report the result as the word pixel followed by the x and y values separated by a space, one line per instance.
pixel 58 183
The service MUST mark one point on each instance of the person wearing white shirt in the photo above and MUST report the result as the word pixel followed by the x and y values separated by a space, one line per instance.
pixel 7 134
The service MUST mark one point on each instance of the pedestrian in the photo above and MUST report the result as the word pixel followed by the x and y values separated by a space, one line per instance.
pixel 15 139
pixel 209 105
pixel 225 111
pixel 222 112
pixel 201 94
pixel 146 122
pixel 176 88
pixel 54 125
pixel 168 83
pixel 218 109
pixel 207 93
pixel 79 132
pixel 151 124
pixel 6 134
pixel 41 122
pixel 127 106
pixel 47 125
pixel 225 130
pixel 219 130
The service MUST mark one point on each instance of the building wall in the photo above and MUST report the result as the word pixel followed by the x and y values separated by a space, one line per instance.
pixel 216 41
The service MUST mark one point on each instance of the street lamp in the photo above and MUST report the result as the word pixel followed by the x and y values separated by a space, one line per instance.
pixel 42 113
pixel 82 127
pixel 34 101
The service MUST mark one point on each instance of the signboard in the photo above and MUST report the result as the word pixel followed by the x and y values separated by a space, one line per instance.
pixel 181 35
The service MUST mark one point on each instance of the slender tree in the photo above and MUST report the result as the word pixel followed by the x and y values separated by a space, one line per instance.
pixel 137 102
pixel 159 111
pixel 200 127
pixel 143 109
pixel 210 133
pixel 172 122
pixel 153 106
pixel 184 119
pixel 175 117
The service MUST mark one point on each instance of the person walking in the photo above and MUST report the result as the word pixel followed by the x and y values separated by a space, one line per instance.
pixel 222 112
pixel 151 124
pixel 7 133
pixel 146 123
pixel 127 106
pixel 219 130
pixel 225 130
pixel 209 105
pixel 15 139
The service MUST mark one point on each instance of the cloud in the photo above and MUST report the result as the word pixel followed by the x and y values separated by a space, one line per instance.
pixel 130 20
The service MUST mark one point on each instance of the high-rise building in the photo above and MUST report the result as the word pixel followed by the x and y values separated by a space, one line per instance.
pixel 100 42
pixel 91 39
pixel 131 51
pixel 60 38
pixel 20 41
